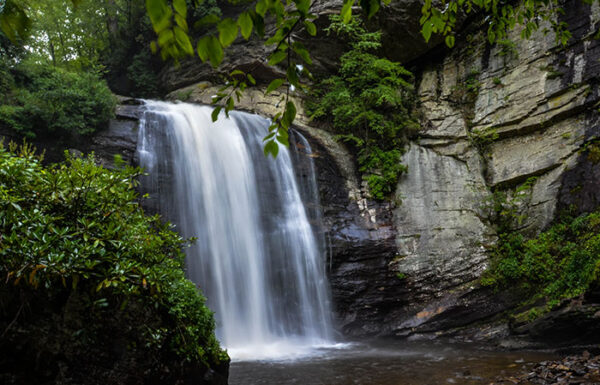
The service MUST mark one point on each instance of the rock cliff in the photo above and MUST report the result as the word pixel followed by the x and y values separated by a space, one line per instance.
pixel 493 118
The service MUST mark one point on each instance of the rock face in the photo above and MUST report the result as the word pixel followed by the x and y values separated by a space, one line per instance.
pixel 513 119
pixel 519 119
pixel 492 121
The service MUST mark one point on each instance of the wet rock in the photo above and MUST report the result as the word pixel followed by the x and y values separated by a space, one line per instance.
pixel 582 369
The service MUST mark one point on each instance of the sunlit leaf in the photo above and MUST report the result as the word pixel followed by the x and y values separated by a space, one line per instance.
pixel 346 12
pixel 275 84
pixel 311 28
pixel 228 31
pixel 245 23
pixel 180 7
pixel 183 40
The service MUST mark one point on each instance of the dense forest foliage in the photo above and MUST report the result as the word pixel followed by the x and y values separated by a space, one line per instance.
pixel 81 262
pixel 89 282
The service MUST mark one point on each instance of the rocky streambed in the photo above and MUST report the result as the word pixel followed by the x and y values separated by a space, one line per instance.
pixel 581 369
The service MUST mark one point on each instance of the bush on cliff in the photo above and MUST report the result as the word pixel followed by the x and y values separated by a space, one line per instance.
pixel 91 289
pixel 40 99
pixel 562 262
pixel 370 102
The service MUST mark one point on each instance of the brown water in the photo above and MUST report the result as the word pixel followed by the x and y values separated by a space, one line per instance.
pixel 389 364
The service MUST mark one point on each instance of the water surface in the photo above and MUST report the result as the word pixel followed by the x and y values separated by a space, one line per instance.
pixel 396 363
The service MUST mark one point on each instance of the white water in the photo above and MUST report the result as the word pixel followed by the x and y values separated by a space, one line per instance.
pixel 256 258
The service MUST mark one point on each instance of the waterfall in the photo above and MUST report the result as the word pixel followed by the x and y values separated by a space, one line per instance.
pixel 256 257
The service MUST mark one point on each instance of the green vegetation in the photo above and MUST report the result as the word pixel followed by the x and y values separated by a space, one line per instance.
pixel 113 32
pixel 40 99
pixel 370 102
pixel 498 16
pixel 562 262
pixel 75 232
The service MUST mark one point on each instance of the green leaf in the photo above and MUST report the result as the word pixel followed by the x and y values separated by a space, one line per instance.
pixel 165 37
pixel 207 20
pixel 259 24
pixel 492 36
pixel 346 12
pixel 245 23
pixel 302 52
pixel 272 148
pixel 261 7
pixel 159 13
pixel 271 135
pixel 180 7
pixel 284 140
pixel 275 84
pixel 311 28
pixel 450 41
pixel 277 57
pixel 292 76
pixel 181 22
pixel 426 30
pixel 289 115
pixel 251 79
pixel 215 113
pixel 302 6
pixel 370 7
pixel 209 48
pixel 183 40
pixel 14 21
pixel 228 31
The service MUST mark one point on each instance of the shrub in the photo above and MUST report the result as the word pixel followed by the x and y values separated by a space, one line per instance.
pixel 143 77
pixel 371 101
pixel 45 100
pixel 74 235
pixel 562 262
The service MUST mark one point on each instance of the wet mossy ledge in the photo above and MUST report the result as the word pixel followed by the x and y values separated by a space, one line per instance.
pixel 93 290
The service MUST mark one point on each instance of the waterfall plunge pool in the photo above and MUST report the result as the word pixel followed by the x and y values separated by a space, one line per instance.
pixel 388 363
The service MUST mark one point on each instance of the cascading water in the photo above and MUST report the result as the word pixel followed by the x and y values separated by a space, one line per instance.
pixel 256 257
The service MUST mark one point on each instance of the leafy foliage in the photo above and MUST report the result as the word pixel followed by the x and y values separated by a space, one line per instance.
pixel 43 100
pixel 562 262
pixel 144 80
pixel 173 40
pixel 77 228
pixel 370 102
pixel 500 17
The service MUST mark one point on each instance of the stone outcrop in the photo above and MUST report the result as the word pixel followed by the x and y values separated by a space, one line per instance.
pixel 119 138
pixel 494 118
